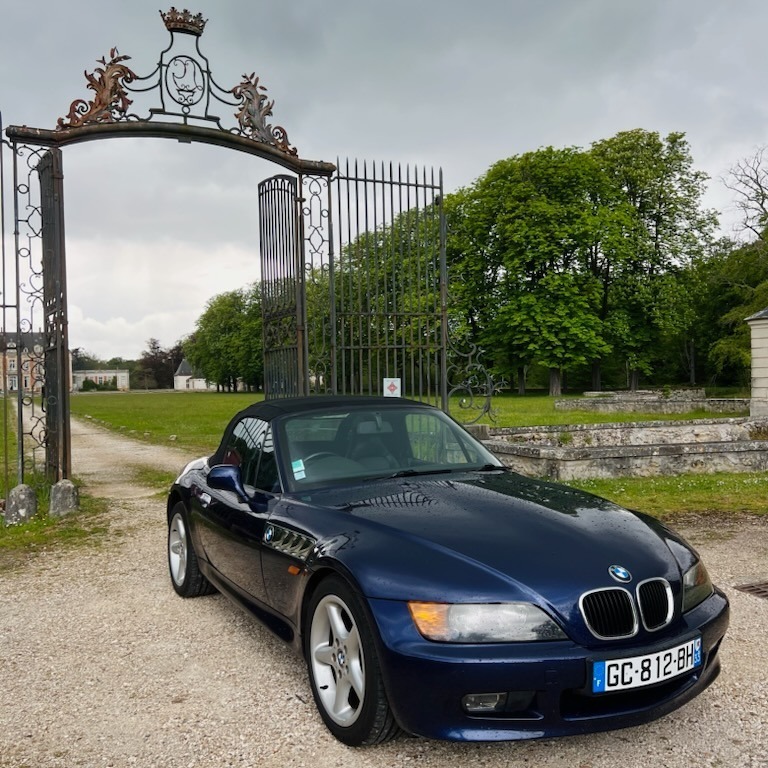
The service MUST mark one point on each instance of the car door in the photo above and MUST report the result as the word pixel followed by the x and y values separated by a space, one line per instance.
pixel 232 528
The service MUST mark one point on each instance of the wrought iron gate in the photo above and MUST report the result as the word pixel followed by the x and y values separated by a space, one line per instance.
pixel 55 390
pixel 355 289
pixel 282 288
pixel 353 258
pixel 354 283
pixel 35 358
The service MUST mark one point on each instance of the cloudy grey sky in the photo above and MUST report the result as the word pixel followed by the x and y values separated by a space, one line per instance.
pixel 155 228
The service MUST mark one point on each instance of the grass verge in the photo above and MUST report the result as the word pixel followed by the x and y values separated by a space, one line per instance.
pixel 512 410
pixel 20 543
pixel 717 494
pixel 197 420
pixel 157 479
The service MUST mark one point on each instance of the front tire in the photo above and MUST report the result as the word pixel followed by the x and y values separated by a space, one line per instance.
pixel 182 558
pixel 344 669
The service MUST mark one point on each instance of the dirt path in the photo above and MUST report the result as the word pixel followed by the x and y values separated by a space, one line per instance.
pixel 102 665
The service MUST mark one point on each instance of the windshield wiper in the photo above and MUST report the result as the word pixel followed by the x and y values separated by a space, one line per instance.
pixel 416 472
pixel 489 468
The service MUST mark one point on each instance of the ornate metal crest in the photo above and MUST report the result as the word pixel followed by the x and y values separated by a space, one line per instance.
pixel 111 101
pixel 254 110
pixel 185 86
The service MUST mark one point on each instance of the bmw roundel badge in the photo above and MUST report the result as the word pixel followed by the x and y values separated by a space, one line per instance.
pixel 620 573
pixel 269 533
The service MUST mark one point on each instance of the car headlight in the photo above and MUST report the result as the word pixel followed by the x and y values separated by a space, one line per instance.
pixel 483 622
pixel 697 586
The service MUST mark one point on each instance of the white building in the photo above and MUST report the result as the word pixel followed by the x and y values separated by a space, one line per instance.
pixel 758 324
pixel 22 362
pixel 185 379
pixel 120 376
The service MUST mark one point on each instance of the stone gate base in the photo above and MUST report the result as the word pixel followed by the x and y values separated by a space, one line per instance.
pixel 633 450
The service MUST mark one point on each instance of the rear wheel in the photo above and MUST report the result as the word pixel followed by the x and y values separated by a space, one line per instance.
pixel 182 559
pixel 344 668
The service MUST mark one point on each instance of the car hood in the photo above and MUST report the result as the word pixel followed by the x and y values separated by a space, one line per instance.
pixel 536 538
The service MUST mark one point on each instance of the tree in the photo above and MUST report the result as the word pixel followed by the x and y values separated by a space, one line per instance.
pixel 735 284
pixel 654 227
pixel 250 347
pixel 226 345
pixel 82 360
pixel 748 180
pixel 515 237
pixel 555 324
pixel 157 365
pixel 622 220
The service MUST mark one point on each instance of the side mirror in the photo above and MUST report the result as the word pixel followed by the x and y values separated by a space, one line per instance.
pixel 227 477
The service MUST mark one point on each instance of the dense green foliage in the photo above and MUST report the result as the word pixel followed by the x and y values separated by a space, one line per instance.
pixel 226 346
pixel 578 268
pixel 735 284
pixel 584 255
pixel 89 385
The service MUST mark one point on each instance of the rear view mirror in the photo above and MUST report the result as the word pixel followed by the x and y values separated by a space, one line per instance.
pixel 227 477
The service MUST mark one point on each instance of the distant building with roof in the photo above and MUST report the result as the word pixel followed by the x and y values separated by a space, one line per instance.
pixel 119 376
pixel 22 362
pixel 185 379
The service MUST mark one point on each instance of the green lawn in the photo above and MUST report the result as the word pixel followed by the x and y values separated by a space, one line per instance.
pixel 197 419
pixel 718 494
pixel 510 410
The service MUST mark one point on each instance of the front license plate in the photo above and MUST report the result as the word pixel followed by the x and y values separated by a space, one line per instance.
pixel 639 671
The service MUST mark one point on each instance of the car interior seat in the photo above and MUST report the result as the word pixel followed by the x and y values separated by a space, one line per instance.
pixel 368 445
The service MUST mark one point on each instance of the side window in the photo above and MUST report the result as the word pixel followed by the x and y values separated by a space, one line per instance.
pixel 424 433
pixel 244 447
pixel 434 442
pixel 266 474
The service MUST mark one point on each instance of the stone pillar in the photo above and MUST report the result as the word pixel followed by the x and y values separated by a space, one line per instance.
pixel 65 498
pixel 758 325
pixel 21 505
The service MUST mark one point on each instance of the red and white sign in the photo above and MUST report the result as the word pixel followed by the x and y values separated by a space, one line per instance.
pixel 392 388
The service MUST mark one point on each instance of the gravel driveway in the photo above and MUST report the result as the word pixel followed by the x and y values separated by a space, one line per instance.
pixel 102 665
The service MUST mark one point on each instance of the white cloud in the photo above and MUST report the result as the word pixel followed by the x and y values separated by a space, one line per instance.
pixel 156 228
pixel 122 293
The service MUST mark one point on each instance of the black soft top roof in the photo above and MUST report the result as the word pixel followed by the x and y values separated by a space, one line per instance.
pixel 266 410
pixel 270 409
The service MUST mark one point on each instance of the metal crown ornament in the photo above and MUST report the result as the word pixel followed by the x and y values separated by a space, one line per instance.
pixel 184 21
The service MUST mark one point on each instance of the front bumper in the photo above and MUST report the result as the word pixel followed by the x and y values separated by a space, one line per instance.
pixel 427 681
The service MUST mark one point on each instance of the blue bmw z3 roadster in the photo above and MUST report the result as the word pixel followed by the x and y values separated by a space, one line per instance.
pixel 433 591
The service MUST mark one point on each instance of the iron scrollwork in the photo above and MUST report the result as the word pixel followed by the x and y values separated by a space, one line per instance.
pixel 255 108
pixel 27 349
pixel 182 78
pixel 318 281
pixel 110 103
pixel 185 81
pixel 471 383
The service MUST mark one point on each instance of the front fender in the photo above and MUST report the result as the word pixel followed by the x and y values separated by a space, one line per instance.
pixel 394 565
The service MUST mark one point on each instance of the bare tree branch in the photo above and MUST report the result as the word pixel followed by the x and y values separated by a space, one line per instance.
pixel 748 180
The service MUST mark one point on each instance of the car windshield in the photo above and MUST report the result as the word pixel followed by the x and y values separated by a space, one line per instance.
pixel 330 447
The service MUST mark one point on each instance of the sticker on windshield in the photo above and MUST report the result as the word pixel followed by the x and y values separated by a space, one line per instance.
pixel 298 469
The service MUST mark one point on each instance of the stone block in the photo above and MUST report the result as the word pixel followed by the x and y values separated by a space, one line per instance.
pixel 65 498
pixel 21 505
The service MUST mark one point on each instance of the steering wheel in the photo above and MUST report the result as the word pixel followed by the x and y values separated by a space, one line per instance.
pixel 320 455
